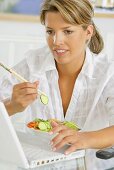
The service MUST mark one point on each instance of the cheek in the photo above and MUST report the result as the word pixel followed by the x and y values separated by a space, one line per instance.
pixel 77 38
pixel 81 41
pixel 49 41
pixel 77 44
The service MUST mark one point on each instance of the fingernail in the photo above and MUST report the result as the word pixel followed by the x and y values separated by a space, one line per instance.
pixel 51 143
pixel 50 133
pixel 66 153
pixel 54 149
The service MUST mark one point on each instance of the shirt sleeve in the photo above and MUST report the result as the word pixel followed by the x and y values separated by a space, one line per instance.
pixel 8 80
pixel 109 99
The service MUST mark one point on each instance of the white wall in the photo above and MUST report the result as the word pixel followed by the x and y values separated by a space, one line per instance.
pixel 20 28
pixel 17 37
pixel 106 27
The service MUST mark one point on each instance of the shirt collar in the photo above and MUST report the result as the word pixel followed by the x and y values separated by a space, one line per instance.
pixel 49 62
pixel 88 66
pixel 41 61
pixel 87 69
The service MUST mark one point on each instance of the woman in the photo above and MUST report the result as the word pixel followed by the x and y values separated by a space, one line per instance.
pixel 72 71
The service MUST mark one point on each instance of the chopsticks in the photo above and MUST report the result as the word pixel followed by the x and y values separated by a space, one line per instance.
pixel 19 77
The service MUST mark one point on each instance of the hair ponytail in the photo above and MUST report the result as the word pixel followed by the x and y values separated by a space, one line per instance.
pixel 96 43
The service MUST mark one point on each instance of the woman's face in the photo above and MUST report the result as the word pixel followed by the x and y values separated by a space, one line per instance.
pixel 66 41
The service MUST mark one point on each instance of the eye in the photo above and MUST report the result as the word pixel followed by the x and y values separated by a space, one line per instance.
pixel 67 32
pixel 50 32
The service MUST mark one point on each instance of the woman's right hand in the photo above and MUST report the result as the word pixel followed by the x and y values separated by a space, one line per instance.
pixel 23 95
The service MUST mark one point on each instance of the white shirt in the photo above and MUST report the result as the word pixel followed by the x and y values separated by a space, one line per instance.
pixel 92 101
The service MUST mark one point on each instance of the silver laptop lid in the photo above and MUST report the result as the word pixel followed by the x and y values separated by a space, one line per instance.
pixel 10 148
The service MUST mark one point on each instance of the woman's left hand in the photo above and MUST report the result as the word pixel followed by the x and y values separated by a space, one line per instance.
pixel 78 139
pixel 67 135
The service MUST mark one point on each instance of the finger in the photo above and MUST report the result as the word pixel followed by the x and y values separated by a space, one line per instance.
pixel 54 124
pixel 36 83
pixel 25 85
pixel 29 98
pixel 24 102
pixel 73 148
pixel 57 139
pixel 58 128
pixel 65 141
pixel 26 98
pixel 27 91
pixel 59 145
pixel 61 135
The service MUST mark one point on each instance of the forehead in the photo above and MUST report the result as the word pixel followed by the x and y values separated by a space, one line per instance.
pixel 55 18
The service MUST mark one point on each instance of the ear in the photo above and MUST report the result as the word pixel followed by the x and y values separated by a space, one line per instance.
pixel 89 31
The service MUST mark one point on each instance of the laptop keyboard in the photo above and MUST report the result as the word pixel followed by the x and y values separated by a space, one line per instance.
pixel 38 151
pixel 34 152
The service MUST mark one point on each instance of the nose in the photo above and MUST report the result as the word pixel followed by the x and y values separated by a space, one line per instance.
pixel 58 39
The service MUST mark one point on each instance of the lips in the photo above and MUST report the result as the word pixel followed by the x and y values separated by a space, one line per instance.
pixel 60 52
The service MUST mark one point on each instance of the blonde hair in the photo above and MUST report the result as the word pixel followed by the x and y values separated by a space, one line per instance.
pixel 76 12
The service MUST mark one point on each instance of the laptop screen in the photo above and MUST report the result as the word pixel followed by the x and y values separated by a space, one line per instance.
pixel 10 147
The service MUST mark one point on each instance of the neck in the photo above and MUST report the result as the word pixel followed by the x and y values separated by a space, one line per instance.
pixel 70 70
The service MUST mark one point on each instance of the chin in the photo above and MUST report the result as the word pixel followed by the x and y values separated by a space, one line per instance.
pixel 62 62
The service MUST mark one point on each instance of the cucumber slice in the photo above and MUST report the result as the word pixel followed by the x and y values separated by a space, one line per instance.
pixel 48 124
pixel 42 126
pixel 44 99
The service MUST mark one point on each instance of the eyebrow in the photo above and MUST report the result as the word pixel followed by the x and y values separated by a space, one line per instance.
pixel 61 28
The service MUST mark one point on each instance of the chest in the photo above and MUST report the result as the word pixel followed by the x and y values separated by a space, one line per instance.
pixel 66 89
pixel 68 100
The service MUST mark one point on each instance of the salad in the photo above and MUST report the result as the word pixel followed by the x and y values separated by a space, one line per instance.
pixel 45 125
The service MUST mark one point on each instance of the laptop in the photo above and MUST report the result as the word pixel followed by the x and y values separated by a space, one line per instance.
pixel 27 150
